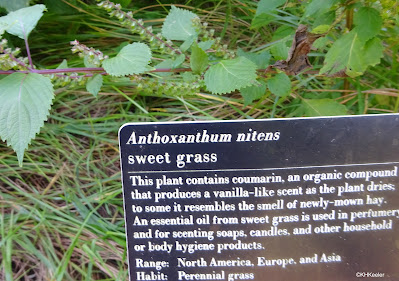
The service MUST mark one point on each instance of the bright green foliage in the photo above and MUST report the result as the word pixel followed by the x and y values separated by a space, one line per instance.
pixel 94 84
pixel 25 103
pixel 340 53
pixel 322 107
pixel 23 21
pixel 319 7
pixel 230 75
pixel 261 59
pixel 368 23
pixel 13 5
pixel 280 84
pixel 365 55
pixel 253 92
pixel 178 24
pixel 349 53
pixel 266 6
pixel 199 59
pixel 132 59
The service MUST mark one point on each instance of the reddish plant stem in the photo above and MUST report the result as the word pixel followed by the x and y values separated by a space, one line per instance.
pixel 83 70
pixel 27 47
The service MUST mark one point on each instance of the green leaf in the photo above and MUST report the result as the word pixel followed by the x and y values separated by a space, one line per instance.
pixel 13 5
pixel 368 23
pixel 319 7
pixel 320 43
pixel 367 55
pixel 230 75
pixel 63 65
pixel 189 41
pixel 321 29
pixel 340 53
pixel 349 53
pixel 132 59
pixel 23 21
pixel 323 107
pixel 253 92
pixel 280 85
pixel 205 45
pixel 94 84
pixel 262 19
pixel 265 12
pixel 199 59
pixel 25 104
pixel 178 24
pixel 324 19
pixel 261 59
pixel 178 61
pixel 283 38
pixel 265 6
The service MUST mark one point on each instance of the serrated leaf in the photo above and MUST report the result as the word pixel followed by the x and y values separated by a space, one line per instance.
pixel 323 107
pixel 25 104
pixel 368 23
pixel 280 85
pixel 261 59
pixel 178 24
pixel 230 75
pixel 178 61
pixel 199 59
pixel 13 5
pixel 132 59
pixel 319 7
pixel 205 45
pixel 253 92
pixel 265 6
pixel 23 21
pixel 94 84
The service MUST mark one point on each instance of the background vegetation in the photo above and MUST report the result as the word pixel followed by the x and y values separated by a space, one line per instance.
pixel 61 213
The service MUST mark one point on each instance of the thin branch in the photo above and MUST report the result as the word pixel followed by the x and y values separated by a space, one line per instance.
pixel 84 70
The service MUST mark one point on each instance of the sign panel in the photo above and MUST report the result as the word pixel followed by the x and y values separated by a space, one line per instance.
pixel 283 199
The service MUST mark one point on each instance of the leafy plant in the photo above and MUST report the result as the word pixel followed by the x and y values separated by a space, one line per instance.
pixel 193 59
